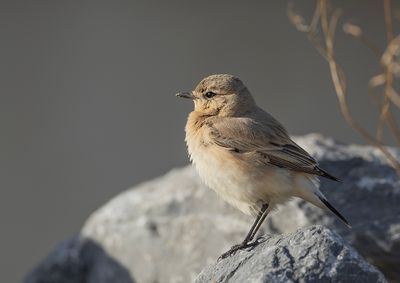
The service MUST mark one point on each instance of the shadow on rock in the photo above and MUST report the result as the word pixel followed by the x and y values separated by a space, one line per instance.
pixel 79 261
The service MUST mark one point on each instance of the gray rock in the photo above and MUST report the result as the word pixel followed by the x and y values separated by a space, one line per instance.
pixel 168 229
pixel 369 197
pixel 79 261
pixel 177 225
pixel 313 254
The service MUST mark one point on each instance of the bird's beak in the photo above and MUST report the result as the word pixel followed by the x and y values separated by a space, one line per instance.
pixel 185 94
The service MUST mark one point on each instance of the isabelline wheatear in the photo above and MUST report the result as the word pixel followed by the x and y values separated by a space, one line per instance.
pixel 245 155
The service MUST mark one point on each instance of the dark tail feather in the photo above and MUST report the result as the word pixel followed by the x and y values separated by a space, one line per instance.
pixel 331 208
pixel 325 174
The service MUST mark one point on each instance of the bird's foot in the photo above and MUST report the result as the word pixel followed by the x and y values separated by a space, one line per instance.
pixel 235 248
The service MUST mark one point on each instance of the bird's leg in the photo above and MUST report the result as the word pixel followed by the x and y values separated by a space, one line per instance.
pixel 259 223
pixel 256 225
pixel 250 235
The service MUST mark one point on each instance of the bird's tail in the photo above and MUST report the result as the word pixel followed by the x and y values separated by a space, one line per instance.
pixel 333 209
pixel 315 197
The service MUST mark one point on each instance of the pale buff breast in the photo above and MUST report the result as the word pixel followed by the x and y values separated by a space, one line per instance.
pixel 239 183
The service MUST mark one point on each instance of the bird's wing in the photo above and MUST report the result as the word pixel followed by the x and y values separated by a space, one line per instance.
pixel 264 143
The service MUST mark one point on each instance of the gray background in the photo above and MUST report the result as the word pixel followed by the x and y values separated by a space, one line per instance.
pixel 87 106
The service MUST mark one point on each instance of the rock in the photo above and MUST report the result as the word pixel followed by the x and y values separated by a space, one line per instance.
pixel 168 229
pixel 79 261
pixel 368 197
pixel 313 254
pixel 166 220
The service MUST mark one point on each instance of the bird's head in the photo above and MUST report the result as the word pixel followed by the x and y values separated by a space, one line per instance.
pixel 220 95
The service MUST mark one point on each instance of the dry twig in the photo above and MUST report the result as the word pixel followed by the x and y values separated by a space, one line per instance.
pixel 328 22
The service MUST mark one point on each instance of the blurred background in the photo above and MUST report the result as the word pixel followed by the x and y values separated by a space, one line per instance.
pixel 87 106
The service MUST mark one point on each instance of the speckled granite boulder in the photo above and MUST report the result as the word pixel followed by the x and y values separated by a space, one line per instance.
pixel 313 254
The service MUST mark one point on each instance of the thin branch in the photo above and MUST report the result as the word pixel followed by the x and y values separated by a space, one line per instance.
pixel 328 24
pixel 388 74
pixel 357 33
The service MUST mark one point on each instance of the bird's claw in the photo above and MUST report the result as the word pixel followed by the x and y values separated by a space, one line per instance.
pixel 235 248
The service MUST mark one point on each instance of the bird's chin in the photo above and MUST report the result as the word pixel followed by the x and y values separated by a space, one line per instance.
pixel 206 112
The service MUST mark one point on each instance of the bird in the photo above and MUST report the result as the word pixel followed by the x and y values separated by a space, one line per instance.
pixel 246 156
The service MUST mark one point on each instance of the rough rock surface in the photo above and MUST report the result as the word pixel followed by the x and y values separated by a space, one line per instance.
pixel 368 197
pixel 168 229
pixel 313 254
pixel 174 223
pixel 171 217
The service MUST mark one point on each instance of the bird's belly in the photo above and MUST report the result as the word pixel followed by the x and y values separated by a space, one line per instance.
pixel 242 185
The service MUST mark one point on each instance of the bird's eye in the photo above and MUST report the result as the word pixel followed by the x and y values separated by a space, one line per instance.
pixel 210 94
